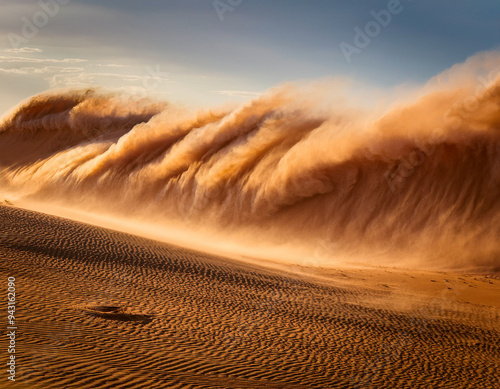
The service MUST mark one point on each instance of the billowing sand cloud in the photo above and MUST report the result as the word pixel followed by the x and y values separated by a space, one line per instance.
pixel 416 185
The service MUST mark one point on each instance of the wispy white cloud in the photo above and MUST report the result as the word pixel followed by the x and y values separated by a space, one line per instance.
pixel 237 93
pixel 9 59
pixel 24 50
pixel 134 89
pixel 85 79
pixel 44 70
pixel 125 77
pixel 111 65
pixel 76 80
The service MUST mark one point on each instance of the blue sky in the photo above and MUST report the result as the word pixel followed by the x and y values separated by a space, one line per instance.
pixel 186 51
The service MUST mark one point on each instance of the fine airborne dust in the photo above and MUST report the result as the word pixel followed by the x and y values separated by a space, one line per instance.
pixel 416 185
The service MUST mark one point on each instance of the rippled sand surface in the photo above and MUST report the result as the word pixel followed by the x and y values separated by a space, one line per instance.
pixel 102 309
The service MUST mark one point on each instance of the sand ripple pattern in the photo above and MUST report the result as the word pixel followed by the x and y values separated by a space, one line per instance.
pixel 102 309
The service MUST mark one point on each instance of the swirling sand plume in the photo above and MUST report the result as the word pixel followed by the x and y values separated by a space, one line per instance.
pixel 415 185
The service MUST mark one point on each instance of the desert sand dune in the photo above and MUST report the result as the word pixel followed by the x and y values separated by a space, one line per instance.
pixel 102 309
